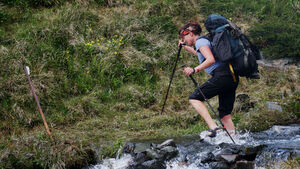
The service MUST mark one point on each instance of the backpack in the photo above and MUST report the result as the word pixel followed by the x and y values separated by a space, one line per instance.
pixel 231 46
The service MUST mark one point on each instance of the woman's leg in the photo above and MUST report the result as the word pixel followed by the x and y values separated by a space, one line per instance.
pixel 202 110
pixel 227 121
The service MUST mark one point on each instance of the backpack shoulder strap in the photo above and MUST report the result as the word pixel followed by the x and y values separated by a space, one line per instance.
pixel 204 37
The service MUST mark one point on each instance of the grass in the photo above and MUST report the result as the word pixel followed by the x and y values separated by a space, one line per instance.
pixel 101 70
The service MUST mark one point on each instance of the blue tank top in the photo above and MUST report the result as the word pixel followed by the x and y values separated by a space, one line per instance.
pixel 204 42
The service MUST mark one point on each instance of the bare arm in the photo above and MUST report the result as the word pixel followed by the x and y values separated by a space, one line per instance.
pixel 190 49
pixel 209 60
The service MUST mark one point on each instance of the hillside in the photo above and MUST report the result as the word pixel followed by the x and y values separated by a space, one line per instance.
pixel 101 69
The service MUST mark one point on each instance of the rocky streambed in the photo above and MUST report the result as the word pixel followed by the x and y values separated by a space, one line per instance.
pixel 251 150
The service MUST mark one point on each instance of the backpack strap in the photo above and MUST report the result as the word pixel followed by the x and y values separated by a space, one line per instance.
pixel 232 72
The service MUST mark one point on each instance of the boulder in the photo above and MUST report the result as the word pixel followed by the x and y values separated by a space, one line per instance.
pixel 151 155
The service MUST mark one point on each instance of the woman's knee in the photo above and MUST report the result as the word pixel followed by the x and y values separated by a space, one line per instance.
pixel 193 101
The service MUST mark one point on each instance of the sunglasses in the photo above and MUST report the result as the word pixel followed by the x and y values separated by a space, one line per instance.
pixel 184 33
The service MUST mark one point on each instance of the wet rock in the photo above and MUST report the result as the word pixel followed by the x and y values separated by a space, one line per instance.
pixel 227 155
pixel 141 157
pixel 154 154
pixel 129 148
pixel 167 143
pixel 219 165
pixel 229 158
pixel 244 165
pixel 208 157
pixel 151 156
pixel 135 148
pixel 150 164
pixel 252 150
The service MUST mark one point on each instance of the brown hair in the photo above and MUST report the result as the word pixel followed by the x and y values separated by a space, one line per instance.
pixel 196 28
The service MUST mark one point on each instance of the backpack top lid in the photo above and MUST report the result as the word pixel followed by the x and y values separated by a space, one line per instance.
pixel 214 21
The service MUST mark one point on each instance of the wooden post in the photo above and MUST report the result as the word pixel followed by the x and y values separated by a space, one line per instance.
pixel 37 102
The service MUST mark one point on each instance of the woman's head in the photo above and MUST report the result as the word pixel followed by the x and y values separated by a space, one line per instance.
pixel 189 31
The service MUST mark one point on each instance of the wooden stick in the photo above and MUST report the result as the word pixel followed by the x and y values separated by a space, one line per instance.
pixel 38 103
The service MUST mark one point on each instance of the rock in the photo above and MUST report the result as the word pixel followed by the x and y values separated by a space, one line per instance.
pixel 244 165
pixel 242 97
pixel 207 158
pixel 154 164
pixel 141 157
pixel 219 165
pixel 281 64
pixel 249 150
pixel 150 164
pixel 169 142
pixel 129 148
pixel 227 155
pixel 229 158
pixel 154 154
pixel 273 106
pixel 151 155
pixel 243 102
pixel 169 152
pixel 249 153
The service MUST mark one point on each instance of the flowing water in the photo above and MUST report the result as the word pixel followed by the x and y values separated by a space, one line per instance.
pixel 280 144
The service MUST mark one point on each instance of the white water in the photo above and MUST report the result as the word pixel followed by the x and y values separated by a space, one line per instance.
pixel 222 137
pixel 279 139
pixel 113 163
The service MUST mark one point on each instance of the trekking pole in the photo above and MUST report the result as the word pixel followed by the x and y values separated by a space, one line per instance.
pixel 173 72
pixel 37 102
pixel 224 128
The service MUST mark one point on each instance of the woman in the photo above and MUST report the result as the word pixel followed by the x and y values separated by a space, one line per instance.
pixel 221 83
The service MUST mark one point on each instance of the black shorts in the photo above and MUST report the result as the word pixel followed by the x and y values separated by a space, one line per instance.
pixel 221 84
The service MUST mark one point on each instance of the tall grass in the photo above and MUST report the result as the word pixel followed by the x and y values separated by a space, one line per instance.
pixel 101 70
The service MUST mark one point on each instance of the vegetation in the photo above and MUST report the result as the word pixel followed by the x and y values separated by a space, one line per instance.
pixel 101 68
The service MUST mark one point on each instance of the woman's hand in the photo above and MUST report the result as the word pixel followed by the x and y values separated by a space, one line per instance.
pixel 181 43
pixel 187 48
pixel 188 71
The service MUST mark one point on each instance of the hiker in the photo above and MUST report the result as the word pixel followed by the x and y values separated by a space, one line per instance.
pixel 221 82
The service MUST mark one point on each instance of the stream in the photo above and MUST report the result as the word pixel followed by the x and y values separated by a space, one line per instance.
pixel 251 150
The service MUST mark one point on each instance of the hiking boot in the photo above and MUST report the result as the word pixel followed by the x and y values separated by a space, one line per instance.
pixel 213 132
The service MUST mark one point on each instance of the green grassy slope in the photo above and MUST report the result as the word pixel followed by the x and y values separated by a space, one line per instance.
pixel 101 69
